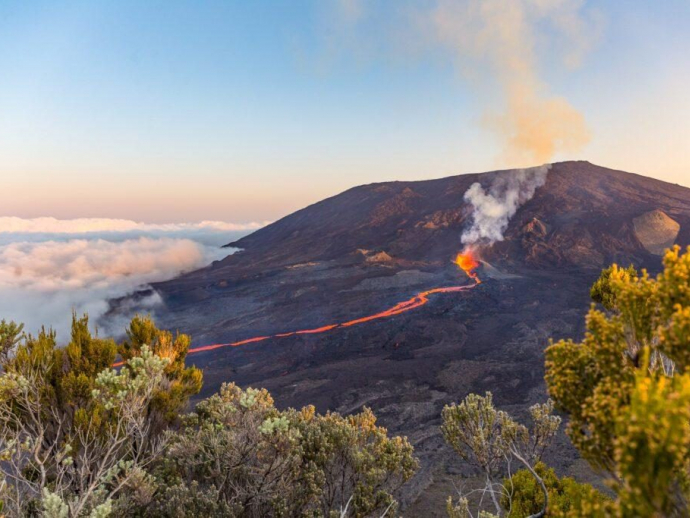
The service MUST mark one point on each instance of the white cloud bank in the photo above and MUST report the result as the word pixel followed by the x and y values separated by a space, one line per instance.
pixel 46 225
pixel 49 267
pixel 212 233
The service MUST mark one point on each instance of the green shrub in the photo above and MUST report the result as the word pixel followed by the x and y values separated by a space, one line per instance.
pixel 566 496
pixel 626 388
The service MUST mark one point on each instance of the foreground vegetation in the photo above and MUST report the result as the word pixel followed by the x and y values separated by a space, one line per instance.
pixel 80 438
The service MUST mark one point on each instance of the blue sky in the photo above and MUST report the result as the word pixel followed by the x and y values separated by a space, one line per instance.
pixel 244 111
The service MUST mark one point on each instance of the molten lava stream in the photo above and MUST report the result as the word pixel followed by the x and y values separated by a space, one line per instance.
pixel 465 261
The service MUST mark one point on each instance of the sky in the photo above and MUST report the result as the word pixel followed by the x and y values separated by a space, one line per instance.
pixel 186 111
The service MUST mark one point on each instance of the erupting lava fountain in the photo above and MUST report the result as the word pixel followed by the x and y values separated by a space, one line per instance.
pixel 468 264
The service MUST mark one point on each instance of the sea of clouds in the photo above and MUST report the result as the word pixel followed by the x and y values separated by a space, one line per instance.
pixel 51 267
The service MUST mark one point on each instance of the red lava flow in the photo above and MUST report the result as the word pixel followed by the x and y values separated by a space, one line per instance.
pixel 465 261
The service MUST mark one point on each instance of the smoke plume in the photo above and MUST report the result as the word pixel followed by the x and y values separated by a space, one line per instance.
pixel 493 207
pixel 501 48
pixel 495 44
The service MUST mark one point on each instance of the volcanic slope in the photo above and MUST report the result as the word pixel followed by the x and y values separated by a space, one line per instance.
pixel 371 247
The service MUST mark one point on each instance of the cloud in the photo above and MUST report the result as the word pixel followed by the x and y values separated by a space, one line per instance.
pixel 40 283
pixel 46 272
pixel 10 224
pixel 212 233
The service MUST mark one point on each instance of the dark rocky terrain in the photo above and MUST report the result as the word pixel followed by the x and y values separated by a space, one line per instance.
pixel 372 246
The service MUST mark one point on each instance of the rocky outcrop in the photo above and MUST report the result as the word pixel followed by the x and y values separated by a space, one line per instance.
pixel 534 228
pixel 372 256
pixel 656 231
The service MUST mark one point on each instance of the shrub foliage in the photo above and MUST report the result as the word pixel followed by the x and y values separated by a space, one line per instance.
pixel 626 388
pixel 81 438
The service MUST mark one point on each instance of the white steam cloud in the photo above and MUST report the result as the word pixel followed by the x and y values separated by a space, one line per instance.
pixel 493 207
pixel 49 267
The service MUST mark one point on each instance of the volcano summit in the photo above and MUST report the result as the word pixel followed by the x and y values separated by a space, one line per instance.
pixel 364 251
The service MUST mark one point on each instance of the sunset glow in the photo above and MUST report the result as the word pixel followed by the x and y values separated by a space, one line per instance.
pixel 287 258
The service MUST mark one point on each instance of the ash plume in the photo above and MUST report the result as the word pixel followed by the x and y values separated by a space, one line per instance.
pixel 506 50
pixel 495 43
pixel 493 207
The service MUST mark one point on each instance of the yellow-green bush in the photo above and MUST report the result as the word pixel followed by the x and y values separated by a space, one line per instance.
pixel 626 387
pixel 524 497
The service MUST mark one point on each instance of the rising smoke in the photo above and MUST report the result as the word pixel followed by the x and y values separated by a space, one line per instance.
pixel 501 48
pixel 493 207
pixel 494 43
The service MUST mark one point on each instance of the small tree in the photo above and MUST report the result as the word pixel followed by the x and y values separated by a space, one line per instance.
pixel 11 335
pixel 74 433
pixel 489 439
pixel 566 496
pixel 240 451
pixel 76 464
pixel 603 291
pixel 352 463
pixel 183 381
pixel 626 388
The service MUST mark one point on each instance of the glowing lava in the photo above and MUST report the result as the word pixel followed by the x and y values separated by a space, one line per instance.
pixel 465 261
pixel 468 264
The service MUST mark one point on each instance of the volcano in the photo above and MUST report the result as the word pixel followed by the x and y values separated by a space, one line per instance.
pixel 367 249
